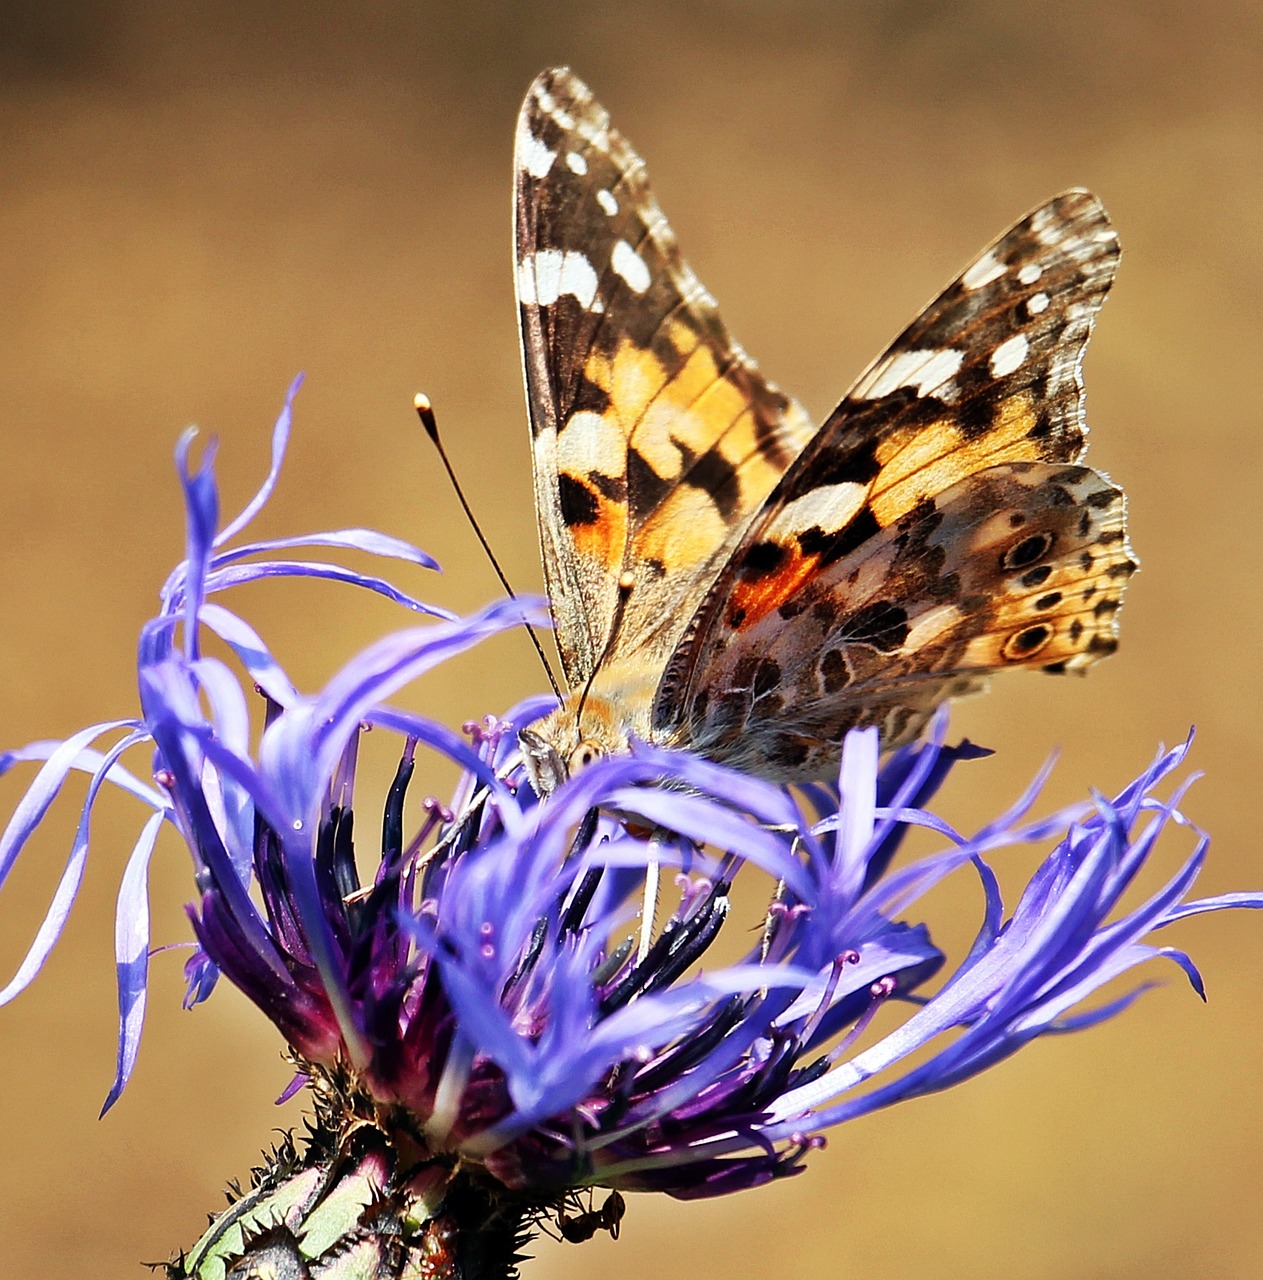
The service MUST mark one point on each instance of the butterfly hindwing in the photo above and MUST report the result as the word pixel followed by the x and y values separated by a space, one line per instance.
pixel 932 531
pixel 1018 565
pixel 655 438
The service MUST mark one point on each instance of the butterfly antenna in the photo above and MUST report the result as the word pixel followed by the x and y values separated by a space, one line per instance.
pixel 626 581
pixel 425 411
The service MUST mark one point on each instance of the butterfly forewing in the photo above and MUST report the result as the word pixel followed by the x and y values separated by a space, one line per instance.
pixel 654 437
pixel 932 530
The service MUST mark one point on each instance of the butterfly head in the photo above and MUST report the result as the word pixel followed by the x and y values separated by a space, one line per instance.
pixel 547 767
pixel 570 740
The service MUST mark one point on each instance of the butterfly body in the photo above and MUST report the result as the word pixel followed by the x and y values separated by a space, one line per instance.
pixel 728 578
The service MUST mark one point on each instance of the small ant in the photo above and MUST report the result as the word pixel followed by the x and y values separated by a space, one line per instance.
pixel 584 1226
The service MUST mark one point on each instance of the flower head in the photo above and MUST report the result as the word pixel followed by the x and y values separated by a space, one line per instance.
pixel 539 991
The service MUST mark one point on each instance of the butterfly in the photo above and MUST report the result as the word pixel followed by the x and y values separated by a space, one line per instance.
pixel 725 576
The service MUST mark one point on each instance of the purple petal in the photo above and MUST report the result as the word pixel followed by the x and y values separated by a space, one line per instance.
pixel 280 440
pixel 367 540
pixel 131 955
pixel 72 876
pixel 224 579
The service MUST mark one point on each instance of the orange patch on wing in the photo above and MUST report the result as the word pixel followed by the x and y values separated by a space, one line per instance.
pixel 694 407
pixel 1010 438
pixel 693 378
pixel 632 377
pixel 604 538
pixel 900 438
pixel 672 413
pixel 939 456
pixel 751 601
pixel 685 532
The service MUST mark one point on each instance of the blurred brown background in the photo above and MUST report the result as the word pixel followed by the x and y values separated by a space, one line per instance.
pixel 201 199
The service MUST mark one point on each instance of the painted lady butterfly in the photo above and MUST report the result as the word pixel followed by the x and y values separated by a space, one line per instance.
pixel 727 578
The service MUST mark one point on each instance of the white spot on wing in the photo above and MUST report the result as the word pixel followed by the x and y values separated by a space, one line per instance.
pixel 1047 226
pixel 631 266
pixel 526 292
pixel 591 443
pixel 607 202
pixel 830 506
pixel 1009 355
pixel 1037 303
pixel 576 163
pixel 930 626
pixel 1030 272
pixel 656 225
pixel 926 371
pixel 551 273
pixel 984 271
pixel 532 154
pixel 595 135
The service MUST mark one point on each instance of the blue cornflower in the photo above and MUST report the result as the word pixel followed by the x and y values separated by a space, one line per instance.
pixel 504 1012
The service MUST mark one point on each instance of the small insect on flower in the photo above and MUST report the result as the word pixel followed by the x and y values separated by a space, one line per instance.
pixel 585 1224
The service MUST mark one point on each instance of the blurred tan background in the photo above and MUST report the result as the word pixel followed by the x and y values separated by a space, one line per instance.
pixel 199 200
